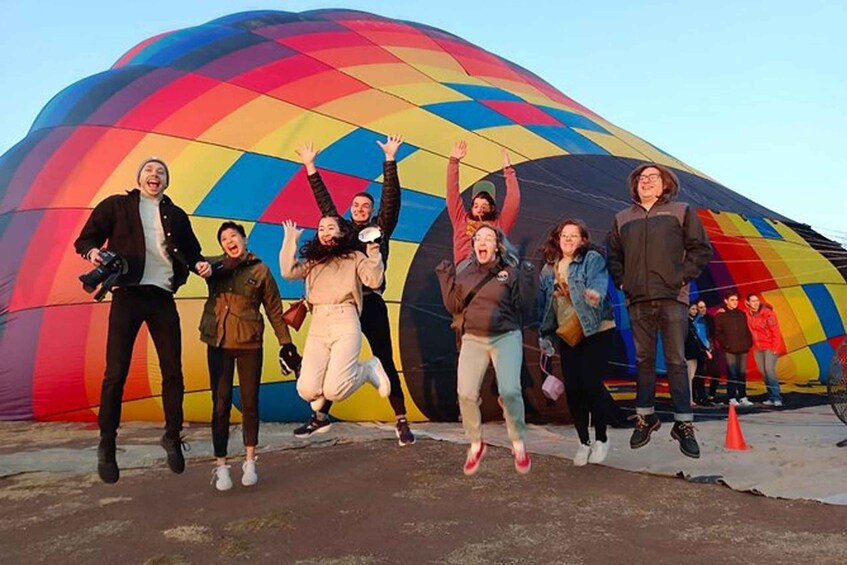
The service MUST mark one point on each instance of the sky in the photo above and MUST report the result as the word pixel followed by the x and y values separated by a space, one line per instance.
pixel 751 93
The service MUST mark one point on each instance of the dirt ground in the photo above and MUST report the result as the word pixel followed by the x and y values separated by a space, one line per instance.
pixel 374 502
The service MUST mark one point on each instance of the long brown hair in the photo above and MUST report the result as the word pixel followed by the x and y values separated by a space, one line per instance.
pixel 551 249
pixel 670 182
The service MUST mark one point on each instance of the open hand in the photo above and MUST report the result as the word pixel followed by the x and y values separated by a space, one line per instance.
pixel 391 145
pixel 460 149
pixel 290 227
pixel 307 153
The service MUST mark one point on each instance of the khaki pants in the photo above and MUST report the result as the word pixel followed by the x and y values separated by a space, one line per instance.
pixel 331 367
pixel 505 351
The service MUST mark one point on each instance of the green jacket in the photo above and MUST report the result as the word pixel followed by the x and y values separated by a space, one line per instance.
pixel 231 317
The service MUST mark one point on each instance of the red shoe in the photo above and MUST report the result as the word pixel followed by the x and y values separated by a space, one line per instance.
pixel 522 462
pixel 472 462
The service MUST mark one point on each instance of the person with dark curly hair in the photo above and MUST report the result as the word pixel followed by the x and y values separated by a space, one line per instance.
pixel 374 318
pixel 334 270
pixel 575 281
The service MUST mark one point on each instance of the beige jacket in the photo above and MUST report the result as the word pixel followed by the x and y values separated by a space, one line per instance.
pixel 337 281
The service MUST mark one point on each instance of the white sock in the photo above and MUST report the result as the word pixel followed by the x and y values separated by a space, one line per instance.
pixel 518 447
pixel 476 446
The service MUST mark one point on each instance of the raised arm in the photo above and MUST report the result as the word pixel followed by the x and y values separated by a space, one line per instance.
pixel 389 207
pixel 512 201
pixel 455 207
pixel 307 154
pixel 288 264
pixel 370 267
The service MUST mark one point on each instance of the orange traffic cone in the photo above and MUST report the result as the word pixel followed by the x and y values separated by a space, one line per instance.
pixel 734 437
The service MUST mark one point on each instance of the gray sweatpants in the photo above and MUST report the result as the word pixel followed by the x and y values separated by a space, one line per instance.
pixel 505 351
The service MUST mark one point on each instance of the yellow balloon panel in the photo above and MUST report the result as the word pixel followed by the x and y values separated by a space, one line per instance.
pixel 246 126
pixel 306 127
pixel 523 145
pixel 426 93
pixel 424 171
pixel 807 318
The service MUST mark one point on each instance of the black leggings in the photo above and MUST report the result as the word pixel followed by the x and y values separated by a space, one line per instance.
pixel 582 368
pixel 222 364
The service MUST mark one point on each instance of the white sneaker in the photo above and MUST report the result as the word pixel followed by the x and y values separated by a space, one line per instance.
pixel 777 403
pixel 733 402
pixel 249 477
pixel 767 402
pixel 377 376
pixel 599 451
pixel 221 477
pixel 745 402
pixel 580 459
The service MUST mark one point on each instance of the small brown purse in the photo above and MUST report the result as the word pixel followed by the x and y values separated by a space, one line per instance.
pixel 296 314
pixel 570 328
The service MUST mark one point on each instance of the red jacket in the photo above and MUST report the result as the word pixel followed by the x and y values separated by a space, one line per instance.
pixel 765 329
pixel 463 225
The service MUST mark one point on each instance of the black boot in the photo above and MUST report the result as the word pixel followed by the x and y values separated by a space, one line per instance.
pixel 107 464
pixel 644 426
pixel 683 432
pixel 173 447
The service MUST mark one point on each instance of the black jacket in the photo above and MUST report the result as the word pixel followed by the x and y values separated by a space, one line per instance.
pixel 732 331
pixel 654 254
pixel 389 206
pixel 118 220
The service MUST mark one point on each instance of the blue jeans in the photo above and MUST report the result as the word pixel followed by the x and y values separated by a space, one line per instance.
pixel 766 362
pixel 648 319
pixel 736 375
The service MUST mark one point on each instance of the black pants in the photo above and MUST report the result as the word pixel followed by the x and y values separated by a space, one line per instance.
pixel 132 306
pixel 706 369
pixel 583 368
pixel 222 364
pixel 375 327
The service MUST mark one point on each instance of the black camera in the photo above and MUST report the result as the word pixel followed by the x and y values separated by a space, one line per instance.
pixel 106 274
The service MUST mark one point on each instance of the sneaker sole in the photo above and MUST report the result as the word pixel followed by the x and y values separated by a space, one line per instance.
pixel 478 462
pixel 649 433
pixel 321 430
pixel 686 453
pixel 384 386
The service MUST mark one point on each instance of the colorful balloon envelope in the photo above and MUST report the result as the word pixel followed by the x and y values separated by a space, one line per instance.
pixel 226 103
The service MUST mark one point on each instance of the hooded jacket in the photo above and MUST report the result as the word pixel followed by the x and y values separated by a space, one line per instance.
pixel 653 254
pixel 764 327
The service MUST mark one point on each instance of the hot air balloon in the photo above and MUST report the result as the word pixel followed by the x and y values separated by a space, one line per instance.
pixel 226 102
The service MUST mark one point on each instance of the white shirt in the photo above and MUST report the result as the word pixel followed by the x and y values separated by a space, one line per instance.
pixel 158 265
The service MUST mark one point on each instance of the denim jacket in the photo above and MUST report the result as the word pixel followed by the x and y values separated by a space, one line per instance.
pixel 587 270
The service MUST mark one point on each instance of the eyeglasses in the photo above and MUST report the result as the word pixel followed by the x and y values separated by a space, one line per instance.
pixel 488 239
pixel 650 177
pixel 570 236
